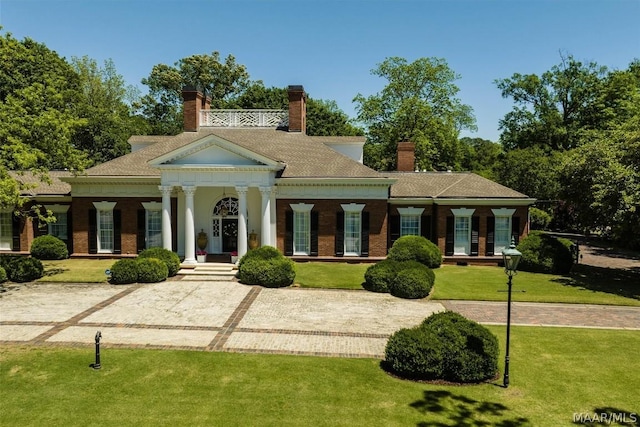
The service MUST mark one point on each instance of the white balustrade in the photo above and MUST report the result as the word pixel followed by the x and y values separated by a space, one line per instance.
pixel 244 118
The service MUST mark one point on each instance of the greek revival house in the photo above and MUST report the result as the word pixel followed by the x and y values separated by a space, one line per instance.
pixel 240 175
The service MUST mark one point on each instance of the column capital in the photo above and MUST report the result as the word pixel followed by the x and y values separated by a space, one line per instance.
pixel 266 190
pixel 165 189
pixel 189 190
pixel 242 189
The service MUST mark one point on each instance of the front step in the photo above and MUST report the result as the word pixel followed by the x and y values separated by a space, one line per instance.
pixel 209 271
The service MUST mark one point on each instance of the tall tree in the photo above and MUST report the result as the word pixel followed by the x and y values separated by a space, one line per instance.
pixel 418 104
pixel 221 81
pixel 480 156
pixel 38 91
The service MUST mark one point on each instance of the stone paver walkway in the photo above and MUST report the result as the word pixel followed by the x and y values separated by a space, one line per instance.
pixel 228 316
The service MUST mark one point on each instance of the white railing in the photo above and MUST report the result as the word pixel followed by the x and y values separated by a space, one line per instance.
pixel 244 118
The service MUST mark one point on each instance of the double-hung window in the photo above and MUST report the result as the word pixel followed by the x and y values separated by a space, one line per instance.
pixel 105 226
pixel 153 224
pixel 353 229
pixel 58 228
pixel 462 231
pixel 502 228
pixel 410 221
pixel 301 228
pixel 6 230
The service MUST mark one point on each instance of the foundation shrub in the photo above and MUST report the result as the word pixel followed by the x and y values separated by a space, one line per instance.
pixel 263 252
pixel 378 276
pixel 416 248
pixel 49 247
pixel 266 266
pixel 23 269
pixel 414 280
pixel 151 270
pixel 171 259
pixel 543 253
pixel 7 260
pixel 3 275
pixel 446 346
pixel 124 271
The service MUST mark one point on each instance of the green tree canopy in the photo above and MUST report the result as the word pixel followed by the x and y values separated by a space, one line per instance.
pixel 418 104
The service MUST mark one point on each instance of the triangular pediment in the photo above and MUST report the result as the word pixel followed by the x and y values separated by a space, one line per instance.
pixel 213 152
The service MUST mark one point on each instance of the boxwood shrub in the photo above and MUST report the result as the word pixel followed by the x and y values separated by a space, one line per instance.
pixel 543 253
pixel 3 275
pixel 49 247
pixel 171 259
pixel 266 266
pixel 416 248
pixel 378 276
pixel 446 346
pixel 24 269
pixel 123 271
pixel 413 280
pixel 151 270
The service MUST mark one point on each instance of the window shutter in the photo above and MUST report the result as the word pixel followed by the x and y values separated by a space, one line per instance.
pixel 491 233
pixel 69 232
pixel 425 226
pixel 93 231
pixel 142 230
pixel 339 233
pixel 117 231
pixel 364 244
pixel 288 233
pixel 515 228
pixel 475 235
pixel 40 228
pixel 448 244
pixel 314 233
pixel 16 223
pixel 394 229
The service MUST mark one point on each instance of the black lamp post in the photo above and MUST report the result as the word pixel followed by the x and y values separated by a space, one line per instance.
pixel 511 258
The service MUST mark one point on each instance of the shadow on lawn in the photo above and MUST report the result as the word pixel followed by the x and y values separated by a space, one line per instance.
pixel 609 280
pixel 464 412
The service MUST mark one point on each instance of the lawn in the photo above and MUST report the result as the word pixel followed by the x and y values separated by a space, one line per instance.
pixel 334 275
pixel 554 373
pixel 76 270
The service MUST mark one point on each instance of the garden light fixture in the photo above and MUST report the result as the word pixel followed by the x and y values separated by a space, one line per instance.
pixel 511 258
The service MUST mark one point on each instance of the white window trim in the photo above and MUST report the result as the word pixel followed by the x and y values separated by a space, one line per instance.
pixel 462 213
pixel 502 213
pixel 411 211
pixel 352 208
pixel 102 207
pixel 302 208
pixel 150 206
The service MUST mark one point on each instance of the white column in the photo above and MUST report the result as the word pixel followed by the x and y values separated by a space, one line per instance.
pixel 242 220
pixel 189 226
pixel 166 215
pixel 272 204
pixel 265 232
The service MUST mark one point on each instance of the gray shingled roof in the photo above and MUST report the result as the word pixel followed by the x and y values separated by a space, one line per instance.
pixel 55 188
pixel 304 156
pixel 448 185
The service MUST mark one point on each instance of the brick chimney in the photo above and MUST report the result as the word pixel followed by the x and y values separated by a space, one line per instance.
pixel 406 156
pixel 193 103
pixel 297 109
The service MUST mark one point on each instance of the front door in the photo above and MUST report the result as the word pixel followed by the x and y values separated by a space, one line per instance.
pixel 229 234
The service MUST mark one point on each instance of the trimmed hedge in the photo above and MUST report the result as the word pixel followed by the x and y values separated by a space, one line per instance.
pixel 416 248
pixel 446 346
pixel 123 271
pixel 414 280
pixel 171 259
pixel 24 269
pixel 543 253
pixel 49 247
pixel 378 276
pixel 266 266
pixel 3 275
pixel 151 270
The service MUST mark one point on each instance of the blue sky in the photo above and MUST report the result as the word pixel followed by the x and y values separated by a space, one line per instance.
pixel 330 47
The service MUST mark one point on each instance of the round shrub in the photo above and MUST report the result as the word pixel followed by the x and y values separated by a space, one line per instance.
pixel 414 280
pixel 171 259
pixel 3 275
pixel 378 276
pixel 470 350
pixel 270 273
pixel 49 247
pixel 416 248
pixel 25 269
pixel 124 271
pixel 543 253
pixel 446 346
pixel 263 252
pixel 151 270
pixel 415 353
pixel 540 219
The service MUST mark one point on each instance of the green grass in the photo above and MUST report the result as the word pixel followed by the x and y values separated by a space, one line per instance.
pixel 330 275
pixel 554 374
pixel 76 270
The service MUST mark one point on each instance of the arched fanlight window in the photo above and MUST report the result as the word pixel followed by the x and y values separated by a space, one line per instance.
pixel 227 206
